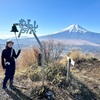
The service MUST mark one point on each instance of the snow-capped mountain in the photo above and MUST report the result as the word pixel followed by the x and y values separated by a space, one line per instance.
pixel 74 28
pixel 75 32
pixel 72 35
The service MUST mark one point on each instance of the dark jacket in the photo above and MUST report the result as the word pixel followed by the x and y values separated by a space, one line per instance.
pixel 5 57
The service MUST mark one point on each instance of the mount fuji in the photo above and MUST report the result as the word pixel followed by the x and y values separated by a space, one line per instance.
pixel 74 28
pixel 75 35
pixel 72 35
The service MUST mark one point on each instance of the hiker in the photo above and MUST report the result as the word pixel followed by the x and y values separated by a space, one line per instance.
pixel 8 63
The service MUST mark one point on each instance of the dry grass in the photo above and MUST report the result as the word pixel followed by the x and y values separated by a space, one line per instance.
pixel 64 60
pixel 28 57
pixel 1 69
pixel 75 55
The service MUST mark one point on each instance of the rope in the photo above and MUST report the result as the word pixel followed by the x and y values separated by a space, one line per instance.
pixel 17 40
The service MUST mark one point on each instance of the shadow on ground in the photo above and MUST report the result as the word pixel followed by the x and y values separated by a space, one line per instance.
pixel 16 94
pixel 78 90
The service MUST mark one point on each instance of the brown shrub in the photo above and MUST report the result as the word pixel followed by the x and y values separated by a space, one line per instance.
pixel 28 57
pixel 1 69
pixel 0 62
pixel 75 55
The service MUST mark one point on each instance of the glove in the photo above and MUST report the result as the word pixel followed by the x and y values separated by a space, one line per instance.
pixel 19 50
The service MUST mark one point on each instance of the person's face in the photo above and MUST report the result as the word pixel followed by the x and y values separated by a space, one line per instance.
pixel 10 45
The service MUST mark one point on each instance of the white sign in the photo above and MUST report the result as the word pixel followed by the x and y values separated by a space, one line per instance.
pixel 72 62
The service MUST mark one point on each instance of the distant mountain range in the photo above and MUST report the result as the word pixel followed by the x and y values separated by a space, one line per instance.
pixel 72 35
pixel 75 35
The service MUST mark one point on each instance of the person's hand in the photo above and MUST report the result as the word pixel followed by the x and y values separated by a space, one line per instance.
pixel 19 50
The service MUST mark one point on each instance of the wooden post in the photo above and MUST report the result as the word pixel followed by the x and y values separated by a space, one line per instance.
pixel 42 56
pixel 68 69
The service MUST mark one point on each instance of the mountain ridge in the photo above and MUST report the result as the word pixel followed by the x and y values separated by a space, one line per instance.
pixel 75 32
pixel 74 28
pixel 72 34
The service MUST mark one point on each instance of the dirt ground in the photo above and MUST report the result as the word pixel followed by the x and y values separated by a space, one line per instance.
pixel 85 85
pixel 89 73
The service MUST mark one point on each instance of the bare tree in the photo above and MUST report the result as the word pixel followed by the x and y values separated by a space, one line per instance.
pixel 52 50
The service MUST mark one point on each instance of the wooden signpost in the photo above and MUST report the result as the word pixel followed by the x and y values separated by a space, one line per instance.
pixel 70 61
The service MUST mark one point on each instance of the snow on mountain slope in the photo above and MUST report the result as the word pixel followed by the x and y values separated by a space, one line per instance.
pixel 75 32
pixel 74 28
pixel 74 35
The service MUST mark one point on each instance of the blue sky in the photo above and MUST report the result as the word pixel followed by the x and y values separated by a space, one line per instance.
pixel 51 15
